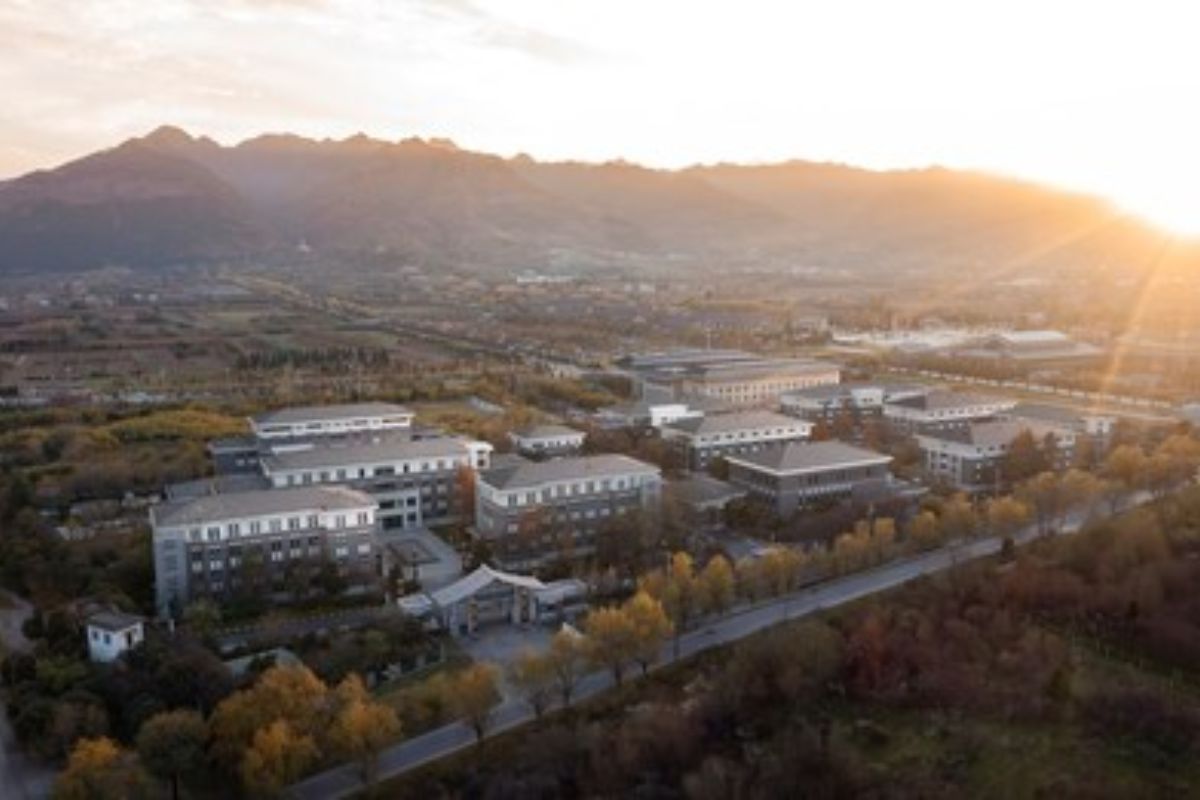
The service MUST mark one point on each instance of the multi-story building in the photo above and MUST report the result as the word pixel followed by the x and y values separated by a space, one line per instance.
pixel 733 377
pixel 860 400
pixel 261 542
pixel 700 440
pixel 279 428
pixel 1085 424
pixel 531 512
pixel 971 457
pixel 1028 347
pixel 643 414
pixel 942 410
pixel 547 440
pixel 333 420
pixel 802 473
pixel 415 482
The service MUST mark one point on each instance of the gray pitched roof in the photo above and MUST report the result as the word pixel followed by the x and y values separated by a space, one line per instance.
pixel 216 507
pixel 291 416
pixel 810 457
pixel 546 431
pixel 941 399
pixel 997 433
pixel 530 473
pixel 700 489
pixel 735 421
pixel 357 451
pixel 114 621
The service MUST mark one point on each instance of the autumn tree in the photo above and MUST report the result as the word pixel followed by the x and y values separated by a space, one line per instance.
pixel 924 531
pixel 568 660
pixel 651 627
pixel 958 518
pixel 171 746
pixel 1123 467
pixel 277 757
pixel 361 727
pixel 1006 514
pixel 98 769
pixel 715 585
pixel 472 696
pixel 532 674
pixel 611 639
pixel 1044 494
pixel 290 694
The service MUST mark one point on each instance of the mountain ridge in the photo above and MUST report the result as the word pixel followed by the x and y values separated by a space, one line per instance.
pixel 170 197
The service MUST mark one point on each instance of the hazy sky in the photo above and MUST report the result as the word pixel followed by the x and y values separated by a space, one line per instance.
pixel 1102 96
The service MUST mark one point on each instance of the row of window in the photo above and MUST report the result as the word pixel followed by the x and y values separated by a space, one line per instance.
pixel 219 532
pixel 340 474
pixel 549 493
pixel 716 438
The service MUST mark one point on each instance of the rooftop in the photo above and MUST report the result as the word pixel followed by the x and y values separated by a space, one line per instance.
pixel 1062 415
pixel 735 421
pixel 292 416
pixel 798 457
pixel 265 502
pixel 700 490
pixel 940 399
pixel 996 433
pixel 529 473
pixel 546 432
pixel 832 390
pixel 358 451
pixel 114 621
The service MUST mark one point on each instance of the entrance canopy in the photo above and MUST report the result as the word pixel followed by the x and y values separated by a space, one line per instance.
pixel 483 577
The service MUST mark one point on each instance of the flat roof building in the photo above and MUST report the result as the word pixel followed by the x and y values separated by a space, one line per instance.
pixel 531 512
pixel 331 420
pixel 798 474
pixel 264 542
pixel 702 439
pixel 545 440
pixel 971 458
pixel 941 409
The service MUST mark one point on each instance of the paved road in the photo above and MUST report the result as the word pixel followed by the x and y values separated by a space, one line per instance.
pixel 21 777
pixel 411 753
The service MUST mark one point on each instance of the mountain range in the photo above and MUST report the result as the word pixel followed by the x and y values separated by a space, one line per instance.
pixel 171 198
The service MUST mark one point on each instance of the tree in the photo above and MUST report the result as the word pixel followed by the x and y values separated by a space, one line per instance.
pixel 1080 488
pixel 958 518
pixel 1124 467
pixel 715 585
pixel 203 618
pixel 651 627
pixel 278 755
pixel 290 694
pixel 1006 514
pixel 924 531
pixel 473 696
pixel 361 727
pixel 567 661
pixel 533 676
pixel 611 639
pixel 1044 494
pixel 99 769
pixel 1024 459
pixel 171 746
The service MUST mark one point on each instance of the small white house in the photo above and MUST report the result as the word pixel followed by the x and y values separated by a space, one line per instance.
pixel 111 633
